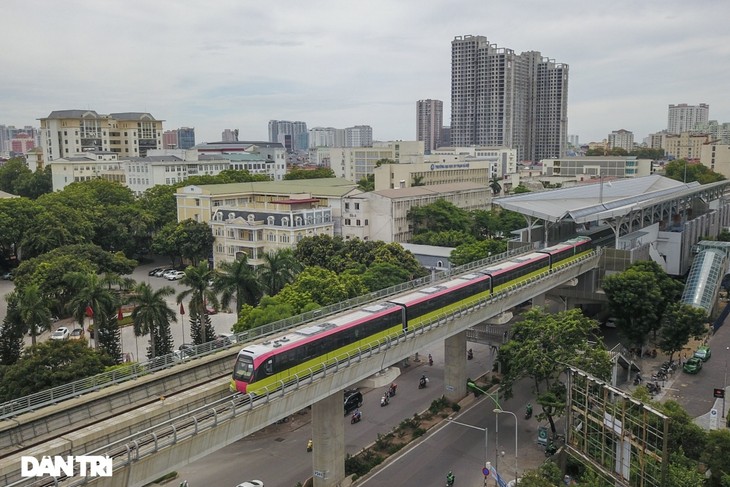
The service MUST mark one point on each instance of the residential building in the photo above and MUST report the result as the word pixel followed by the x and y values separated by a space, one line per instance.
pixel 716 157
pixel 287 133
pixel 259 228
pixel 429 123
pixel 273 153
pixel 359 136
pixel 587 167
pixel 21 143
pixel 446 135
pixel 65 133
pixel 169 139
pixel 719 132
pixel 574 140
pixel 656 141
pixel 356 163
pixel 684 118
pixel 200 202
pixel 383 215
pixel 10 132
pixel 621 139
pixel 322 137
pixel 687 145
pixel 229 135
pixel 164 166
pixel 499 98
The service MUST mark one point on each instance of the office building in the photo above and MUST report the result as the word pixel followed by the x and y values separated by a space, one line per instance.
pixel 621 139
pixel 357 136
pixel 65 133
pixel 716 156
pixel 686 145
pixel 589 167
pixel 186 138
pixel 429 123
pixel 169 139
pixel 500 98
pixel 684 118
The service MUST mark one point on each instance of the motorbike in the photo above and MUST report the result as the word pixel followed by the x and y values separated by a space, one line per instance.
pixel 391 390
pixel 309 446
pixel 450 478
pixel 550 449
pixel 356 417
pixel 469 354
pixel 423 382
pixel 384 400
pixel 528 411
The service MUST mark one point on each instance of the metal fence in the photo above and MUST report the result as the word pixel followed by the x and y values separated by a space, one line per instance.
pixel 135 370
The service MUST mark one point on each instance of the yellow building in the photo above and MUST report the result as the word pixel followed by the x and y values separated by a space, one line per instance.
pixel 686 145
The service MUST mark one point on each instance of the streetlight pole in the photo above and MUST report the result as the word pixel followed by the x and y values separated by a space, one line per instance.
pixel 486 442
pixel 499 411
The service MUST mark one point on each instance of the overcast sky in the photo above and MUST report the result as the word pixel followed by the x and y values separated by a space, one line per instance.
pixel 237 64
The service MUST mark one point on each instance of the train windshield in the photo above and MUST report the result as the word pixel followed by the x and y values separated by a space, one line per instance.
pixel 243 369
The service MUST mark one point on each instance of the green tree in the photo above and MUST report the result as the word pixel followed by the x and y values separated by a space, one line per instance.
pixel 195 241
pixel 279 268
pixel 320 173
pixel 495 186
pixel 159 200
pixel 683 471
pixel 540 347
pixel 11 172
pixel 438 217
pixel 33 310
pixel 716 458
pixel 198 281
pixel 418 181
pixel 108 334
pixel 35 184
pixel 237 280
pixel 470 252
pixel 638 298
pixel 383 275
pixel 91 298
pixel 15 217
pixel 521 188
pixel 367 183
pixel 47 365
pixel 681 170
pixel 12 331
pixel 319 250
pixel 448 238
pixel 152 316
pixel 679 323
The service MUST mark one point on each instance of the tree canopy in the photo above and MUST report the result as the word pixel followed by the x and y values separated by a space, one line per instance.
pixel 685 171
pixel 319 173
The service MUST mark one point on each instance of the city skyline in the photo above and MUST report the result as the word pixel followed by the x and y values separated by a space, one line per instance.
pixel 336 64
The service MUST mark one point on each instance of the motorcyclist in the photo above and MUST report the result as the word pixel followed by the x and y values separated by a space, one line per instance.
pixel 309 445
pixel 423 381
pixel 392 389
pixel 356 416
pixel 450 478
pixel 528 410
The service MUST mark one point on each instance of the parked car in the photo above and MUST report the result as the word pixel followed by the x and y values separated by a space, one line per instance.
pixel 251 483
pixel 693 365
pixel 175 275
pixel 154 271
pixel 8 276
pixel 210 311
pixel 353 400
pixel 62 333
pixel 76 334
pixel 160 271
pixel 703 353
pixel 168 272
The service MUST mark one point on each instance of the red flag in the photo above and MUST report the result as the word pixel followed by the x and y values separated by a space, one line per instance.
pixel 120 315
pixel 182 309
pixel 89 312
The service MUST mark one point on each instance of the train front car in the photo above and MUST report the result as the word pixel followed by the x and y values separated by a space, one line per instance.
pixel 243 370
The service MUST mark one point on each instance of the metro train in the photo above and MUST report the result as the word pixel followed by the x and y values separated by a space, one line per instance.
pixel 277 359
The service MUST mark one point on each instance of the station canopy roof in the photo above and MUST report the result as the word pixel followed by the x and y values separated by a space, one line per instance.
pixel 596 200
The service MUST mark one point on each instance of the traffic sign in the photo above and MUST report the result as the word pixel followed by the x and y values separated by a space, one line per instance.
pixel 542 435
pixel 719 392
pixel 485 471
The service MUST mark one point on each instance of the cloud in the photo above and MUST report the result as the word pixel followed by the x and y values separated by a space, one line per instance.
pixel 231 64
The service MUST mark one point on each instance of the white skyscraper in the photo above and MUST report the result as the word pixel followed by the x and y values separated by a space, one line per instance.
pixel 684 118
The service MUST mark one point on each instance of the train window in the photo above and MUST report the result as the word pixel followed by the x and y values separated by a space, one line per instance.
pixel 269 367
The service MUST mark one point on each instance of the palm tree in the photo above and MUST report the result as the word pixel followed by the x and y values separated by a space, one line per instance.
pixel 495 186
pixel 152 315
pixel 33 310
pixel 198 280
pixel 279 269
pixel 92 298
pixel 237 279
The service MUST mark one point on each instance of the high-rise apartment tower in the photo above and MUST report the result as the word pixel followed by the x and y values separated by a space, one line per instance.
pixel 429 123
pixel 684 118
pixel 499 98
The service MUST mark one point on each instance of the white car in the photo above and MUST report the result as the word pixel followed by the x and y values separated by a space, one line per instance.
pixel 251 483
pixel 175 275
pixel 62 333
pixel 168 273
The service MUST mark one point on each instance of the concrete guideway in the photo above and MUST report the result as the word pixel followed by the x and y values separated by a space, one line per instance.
pixel 191 438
